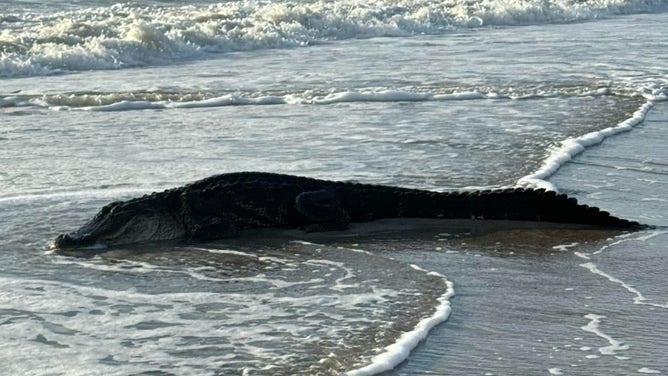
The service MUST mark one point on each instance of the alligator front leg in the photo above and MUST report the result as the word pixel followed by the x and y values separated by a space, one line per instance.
pixel 212 228
pixel 323 210
pixel 202 220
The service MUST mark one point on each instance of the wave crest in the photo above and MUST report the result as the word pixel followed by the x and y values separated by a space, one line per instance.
pixel 125 35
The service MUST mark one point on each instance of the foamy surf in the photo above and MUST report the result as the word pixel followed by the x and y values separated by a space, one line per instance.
pixel 308 309
pixel 399 351
pixel 127 35
pixel 615 346
pixel 159 100
pixel 571 147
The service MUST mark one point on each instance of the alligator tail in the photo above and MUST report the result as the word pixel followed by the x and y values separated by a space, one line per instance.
pixel 508 204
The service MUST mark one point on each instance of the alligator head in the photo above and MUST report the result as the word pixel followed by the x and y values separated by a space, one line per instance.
pixel 144 219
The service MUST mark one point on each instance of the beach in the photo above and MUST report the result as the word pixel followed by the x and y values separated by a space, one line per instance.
pixel 101 102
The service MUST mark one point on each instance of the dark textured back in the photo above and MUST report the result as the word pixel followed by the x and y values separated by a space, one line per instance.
pixel 367 202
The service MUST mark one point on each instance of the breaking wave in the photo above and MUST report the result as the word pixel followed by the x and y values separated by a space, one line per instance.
pixel 130 35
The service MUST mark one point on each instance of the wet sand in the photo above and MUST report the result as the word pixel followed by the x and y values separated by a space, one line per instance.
pixel 526 302
pixel 531 298
pixel 572 302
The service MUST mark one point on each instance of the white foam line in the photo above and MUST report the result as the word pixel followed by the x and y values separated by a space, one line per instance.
pixel 129 266
pixel 97 193
pixel 592 327
pixel 237 100
pixel 304 242
pixel 398 352
pixel 356 250
pixel 639 297
pixel 339 286
pixel 275 260
pixel 296 99
pixel 574 146
pixel 624 238
pixel 648 370
pixel 221 251
pixel 435 274
pixel 276 283
pixel 222 101
pixel 97 263
pixel 564 247
pixel 129 295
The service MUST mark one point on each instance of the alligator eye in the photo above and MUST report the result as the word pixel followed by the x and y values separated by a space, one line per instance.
pixel 109 207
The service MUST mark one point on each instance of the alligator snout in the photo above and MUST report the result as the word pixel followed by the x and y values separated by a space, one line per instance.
pixel 73 241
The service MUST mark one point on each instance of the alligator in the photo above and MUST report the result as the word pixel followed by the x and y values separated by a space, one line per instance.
pixel 222 205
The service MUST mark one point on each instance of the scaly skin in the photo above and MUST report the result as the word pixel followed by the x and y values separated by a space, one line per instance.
pixel 222 205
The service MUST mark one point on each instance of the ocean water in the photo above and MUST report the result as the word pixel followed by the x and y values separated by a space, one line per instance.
pixel 101 101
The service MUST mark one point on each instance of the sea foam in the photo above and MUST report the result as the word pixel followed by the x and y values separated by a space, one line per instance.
pixel 397 352
pixel 127 35
pixel 571 147
pixel 147 100
pixel 212 310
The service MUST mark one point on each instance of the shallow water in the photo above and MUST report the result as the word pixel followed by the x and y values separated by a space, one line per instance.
pixel 213 311
pixel 125 100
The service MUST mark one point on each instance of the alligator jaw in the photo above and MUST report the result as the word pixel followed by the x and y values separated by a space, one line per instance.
pixel 73 240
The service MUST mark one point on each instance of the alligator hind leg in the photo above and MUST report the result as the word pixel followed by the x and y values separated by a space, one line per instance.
pixel 323 210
